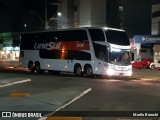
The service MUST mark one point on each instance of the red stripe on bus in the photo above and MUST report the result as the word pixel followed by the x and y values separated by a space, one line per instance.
pixel 74 46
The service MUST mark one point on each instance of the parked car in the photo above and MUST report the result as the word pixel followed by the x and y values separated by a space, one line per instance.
pixel 141 63
pixel 155 65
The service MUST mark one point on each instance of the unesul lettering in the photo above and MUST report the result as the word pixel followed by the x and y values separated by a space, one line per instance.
pixel 47 46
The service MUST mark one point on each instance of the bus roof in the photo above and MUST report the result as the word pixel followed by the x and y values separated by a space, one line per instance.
pixel 105 28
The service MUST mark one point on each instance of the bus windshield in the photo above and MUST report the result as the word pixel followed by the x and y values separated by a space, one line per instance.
pixel 122 57
pixel 114 56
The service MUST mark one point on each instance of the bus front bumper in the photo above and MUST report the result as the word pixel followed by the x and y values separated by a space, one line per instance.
pixel 111 72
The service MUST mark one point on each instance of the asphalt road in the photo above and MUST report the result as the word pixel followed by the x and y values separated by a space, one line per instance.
pixel 49 92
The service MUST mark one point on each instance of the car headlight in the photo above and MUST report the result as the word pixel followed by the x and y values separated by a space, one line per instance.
pixel 110 72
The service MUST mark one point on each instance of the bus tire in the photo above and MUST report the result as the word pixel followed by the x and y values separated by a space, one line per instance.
pixel 31 67
pixel 38 68
pixel 88 71
pixel 78 70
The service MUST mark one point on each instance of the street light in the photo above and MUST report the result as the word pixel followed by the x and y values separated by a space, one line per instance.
pixel 59 14
pixel 46 14
pixel 25 25
pixel 54 22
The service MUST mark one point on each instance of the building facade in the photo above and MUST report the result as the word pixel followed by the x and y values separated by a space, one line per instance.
pixel 87 13
pixel 133 16
pixel 155 19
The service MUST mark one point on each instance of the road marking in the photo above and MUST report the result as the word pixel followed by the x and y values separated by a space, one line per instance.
pixel 13 83
pixel 65 105
pixel 74 99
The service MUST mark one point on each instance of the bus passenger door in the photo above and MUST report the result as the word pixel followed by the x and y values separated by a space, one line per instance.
pixel 22 59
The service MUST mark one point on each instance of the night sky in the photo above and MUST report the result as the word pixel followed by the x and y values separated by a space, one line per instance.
pixel 39 7
pixel 15 13
pixel 27 5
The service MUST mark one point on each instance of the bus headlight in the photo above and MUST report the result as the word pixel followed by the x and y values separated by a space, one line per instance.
pixel 110 72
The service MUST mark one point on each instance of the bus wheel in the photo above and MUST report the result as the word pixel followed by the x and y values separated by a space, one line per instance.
pixel 88 71
pixel 38 68
pixel 31 66
pixel 78 70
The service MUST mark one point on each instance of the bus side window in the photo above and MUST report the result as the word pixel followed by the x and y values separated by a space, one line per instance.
pixel 101 51
pixel 97 35
pixel 86 56
pixel 101 55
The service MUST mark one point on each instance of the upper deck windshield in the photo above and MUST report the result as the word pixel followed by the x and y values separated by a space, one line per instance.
pixel 117 37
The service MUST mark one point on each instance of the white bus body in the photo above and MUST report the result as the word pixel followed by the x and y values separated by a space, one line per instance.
pixel 83 51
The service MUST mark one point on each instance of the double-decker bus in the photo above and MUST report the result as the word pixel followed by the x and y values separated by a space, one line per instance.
pixel 82 51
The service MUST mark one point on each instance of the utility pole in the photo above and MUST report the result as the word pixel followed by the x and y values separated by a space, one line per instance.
pixel 46 20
